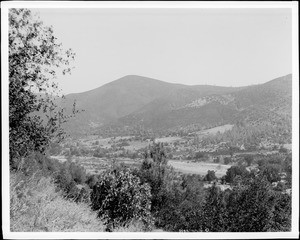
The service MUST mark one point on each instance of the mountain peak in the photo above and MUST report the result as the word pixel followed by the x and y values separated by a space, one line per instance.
pixel 139 83
pixel 135 100
pixel 135 78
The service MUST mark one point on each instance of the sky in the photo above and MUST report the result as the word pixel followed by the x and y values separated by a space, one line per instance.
pixel 223 47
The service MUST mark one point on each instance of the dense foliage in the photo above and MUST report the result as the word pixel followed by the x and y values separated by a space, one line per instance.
pixel 182 203
pixel 235 171
pixel 250 206
pixel 35 57
pixel 119 197
pixel 252 134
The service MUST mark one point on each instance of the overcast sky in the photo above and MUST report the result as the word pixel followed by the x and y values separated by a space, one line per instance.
pixel 226 47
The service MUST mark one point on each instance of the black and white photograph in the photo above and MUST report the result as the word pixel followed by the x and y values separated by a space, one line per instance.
pixel 158 120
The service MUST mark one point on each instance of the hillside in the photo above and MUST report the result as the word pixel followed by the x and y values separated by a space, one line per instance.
pixel 135 102
pixel 114 100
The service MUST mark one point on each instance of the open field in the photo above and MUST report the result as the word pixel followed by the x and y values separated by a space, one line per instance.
pixel 200 168
pixel 168 139
pixel 215 130
pixel 96 165
pixel 60 158
pixel 136 145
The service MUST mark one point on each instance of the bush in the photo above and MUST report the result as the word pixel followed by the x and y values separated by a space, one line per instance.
pixel 119 198
pixel 235 171
pixel 71 178
pixel 217 160
pixel 271 172
pixel 227 160
pixel 199 155
pixel 210 176
pixel 249 159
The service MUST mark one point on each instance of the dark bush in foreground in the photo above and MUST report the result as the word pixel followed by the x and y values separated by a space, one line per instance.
pixel 120 198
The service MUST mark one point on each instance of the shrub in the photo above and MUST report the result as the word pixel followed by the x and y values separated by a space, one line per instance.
pixel 199 155
pixel 271 172
pixel 249 159
pixel 235 171
pixel 119 198
pixel 217 160
pixel 227 160
pixel 210 176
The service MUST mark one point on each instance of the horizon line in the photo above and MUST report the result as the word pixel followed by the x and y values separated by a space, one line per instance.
pixel 135 75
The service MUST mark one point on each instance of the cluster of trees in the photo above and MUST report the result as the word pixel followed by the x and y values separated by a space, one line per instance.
pixel 250 206
pixel 252 135
pixel 181 203
pixel 155 195
pixel 115 130
pixel 56 149
pixel 277 167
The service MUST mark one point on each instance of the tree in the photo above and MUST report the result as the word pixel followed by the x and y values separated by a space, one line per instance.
pixel 186 214
pixel 253 207
pixel 199 155
pixel 35 58
pixel 235 171
pixel 271 172
pixel 210 176
pixel 214 212
pixel 163 181
pixel 217 159
pixel 288 170
pixel 281 220
pixel 248 159
pixel 153 171
pixel 157 154
pixel 227 160
pixel 119 197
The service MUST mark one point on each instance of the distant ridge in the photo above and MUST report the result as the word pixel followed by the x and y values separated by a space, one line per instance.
pixel 137 101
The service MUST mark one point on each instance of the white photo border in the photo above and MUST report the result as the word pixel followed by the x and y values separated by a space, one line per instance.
pixel 5 6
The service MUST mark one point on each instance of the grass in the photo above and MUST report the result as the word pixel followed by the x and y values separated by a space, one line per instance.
pixel 200 168
pixel 168 139
pixel 215 130
pixel 36 206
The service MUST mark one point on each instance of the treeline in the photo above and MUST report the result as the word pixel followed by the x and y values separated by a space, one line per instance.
pixel 156 196
pixel 182 203
pixel 252 135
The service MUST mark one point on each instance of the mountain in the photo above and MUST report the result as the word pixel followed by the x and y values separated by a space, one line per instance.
pixel 135 103
pixel 114 100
